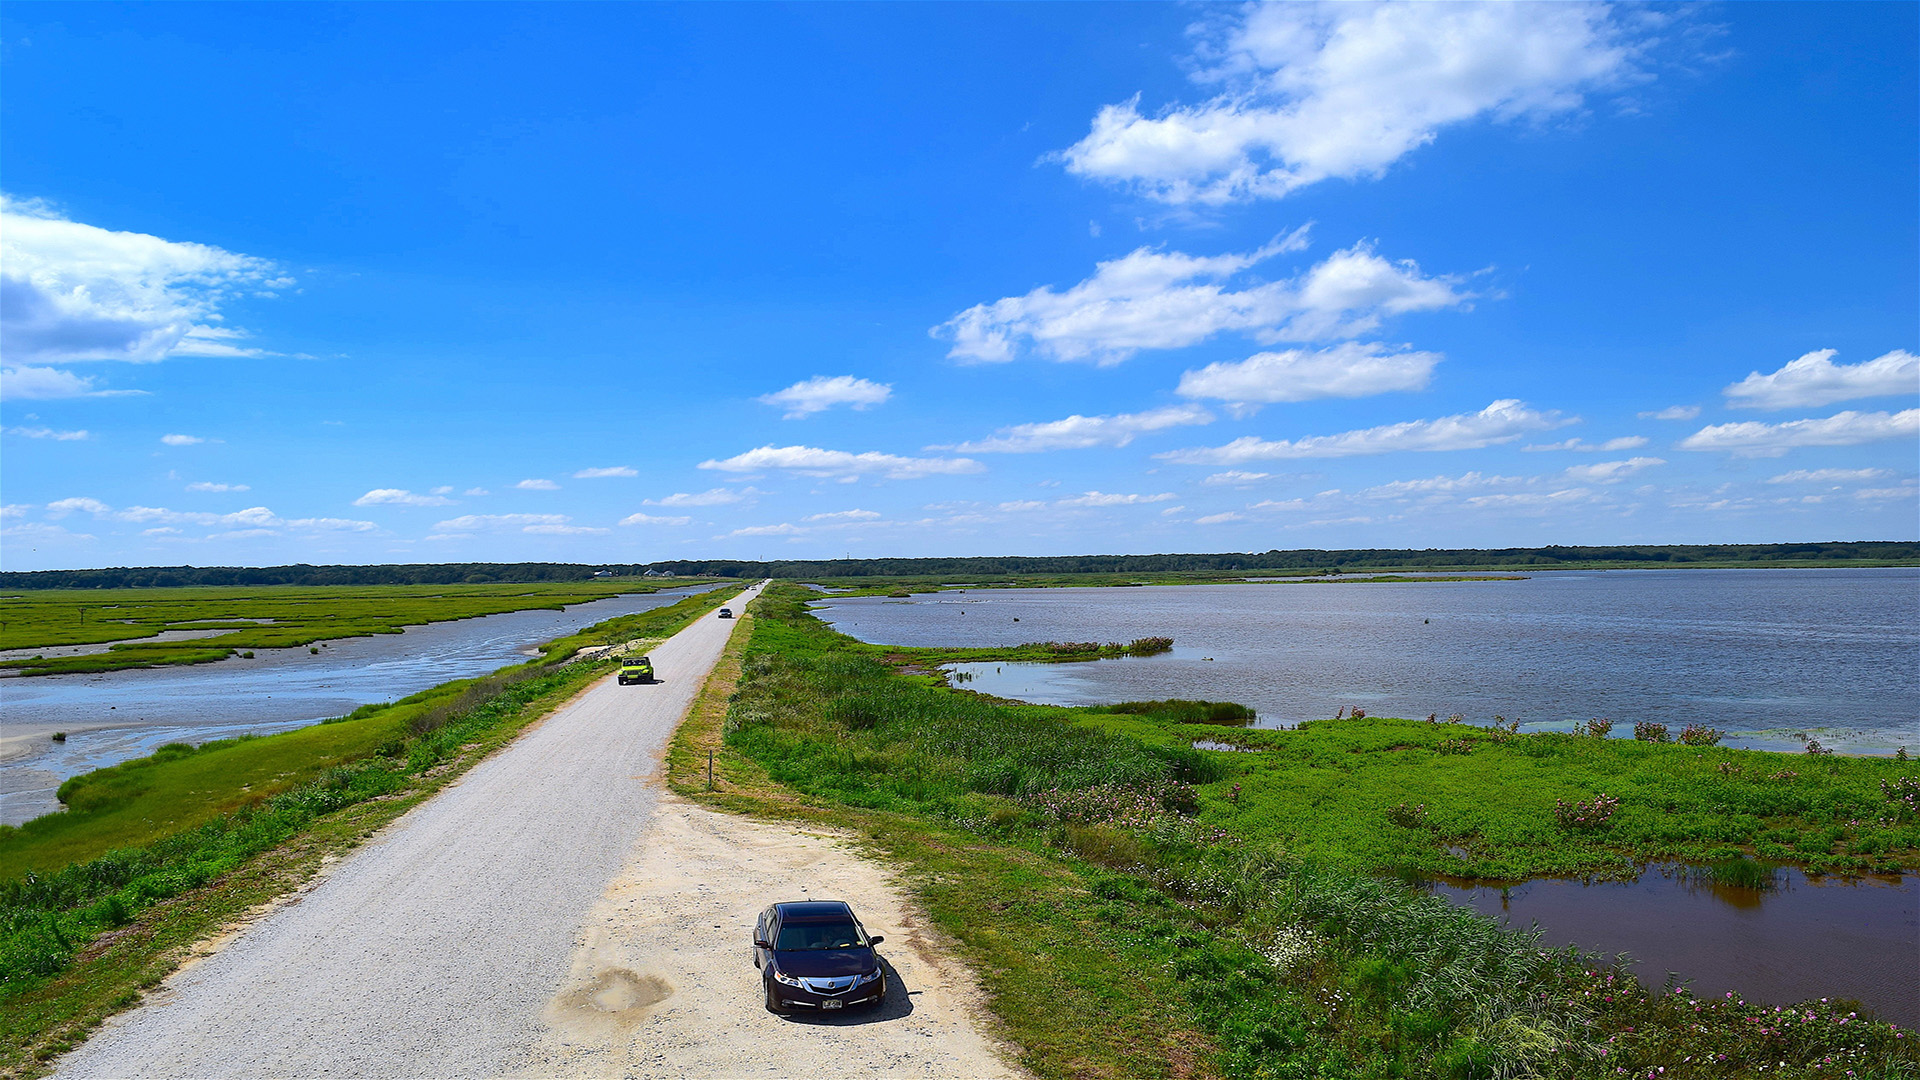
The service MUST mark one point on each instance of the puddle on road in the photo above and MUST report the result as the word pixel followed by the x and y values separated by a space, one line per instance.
pixel 1806 938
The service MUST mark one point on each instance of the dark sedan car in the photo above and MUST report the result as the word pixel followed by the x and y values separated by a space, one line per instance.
pixel 814 955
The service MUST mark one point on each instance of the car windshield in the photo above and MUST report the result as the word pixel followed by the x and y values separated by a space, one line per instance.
pixel 796 937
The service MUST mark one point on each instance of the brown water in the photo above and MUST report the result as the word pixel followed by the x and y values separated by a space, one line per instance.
pixel 1808 938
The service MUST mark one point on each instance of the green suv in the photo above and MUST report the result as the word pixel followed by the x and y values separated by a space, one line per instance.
pixel 636 669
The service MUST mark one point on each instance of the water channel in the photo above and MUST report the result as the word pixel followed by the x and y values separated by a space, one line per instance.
pixel 1773 656
pixel 109 717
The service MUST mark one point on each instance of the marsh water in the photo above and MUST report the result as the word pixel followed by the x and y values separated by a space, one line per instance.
pixel 1771 656
pixel 109 717
pixel 1805 938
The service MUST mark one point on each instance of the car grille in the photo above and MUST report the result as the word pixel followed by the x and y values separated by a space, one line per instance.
pixel 829 987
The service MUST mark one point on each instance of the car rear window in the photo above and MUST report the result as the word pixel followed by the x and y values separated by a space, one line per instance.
pixel 796 937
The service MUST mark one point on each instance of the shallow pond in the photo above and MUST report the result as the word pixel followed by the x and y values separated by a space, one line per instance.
pixel 1807 938
pixel 110 717
pixel 1769 655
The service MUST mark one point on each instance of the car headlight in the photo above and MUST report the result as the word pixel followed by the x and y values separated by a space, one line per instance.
pixel 868 977
pixel 790 980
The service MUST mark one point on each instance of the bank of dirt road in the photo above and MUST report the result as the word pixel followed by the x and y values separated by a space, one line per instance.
pixel 552 913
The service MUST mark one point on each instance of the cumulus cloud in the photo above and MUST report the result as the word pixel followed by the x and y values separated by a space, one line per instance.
pixel 28 383
pixel 1612 472
pixel 845 516
pixel 782 529
pixel 252 518
pixel 80 505
pixel 72 291
pixel 1815 379
pixel 400 497
pixel 182 440
pixel 1153 299
pixel 47 433
pixel 1312 92
pixel 651 519
pixel 812 461
pixel 1752 438
pixel 1611 446
pixel 471 523
pixel 711 497
pixel 537 485
pixel 1078 432
pixel 476 491
pixel 823 392
pixel 1100 498
pixel 1349 370
pixel 1827 476
pixel 561 529
pixel 1219 519
pixel 207 485
pixel 602 473
pixel 1236 477
pixel 1439 485
pixel 1672 412
pixel 1500 422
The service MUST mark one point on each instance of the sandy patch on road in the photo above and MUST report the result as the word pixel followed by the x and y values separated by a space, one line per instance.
pixel 663 982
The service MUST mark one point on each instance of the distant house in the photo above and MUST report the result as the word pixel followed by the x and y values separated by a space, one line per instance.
pixel 651 573
pixel 603 573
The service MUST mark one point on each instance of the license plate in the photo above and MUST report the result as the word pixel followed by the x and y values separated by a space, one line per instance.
pixel 832 1003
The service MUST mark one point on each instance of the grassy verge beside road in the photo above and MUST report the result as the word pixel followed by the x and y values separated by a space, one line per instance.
pixel 1091 866
pixel 267 617
pixel 104 900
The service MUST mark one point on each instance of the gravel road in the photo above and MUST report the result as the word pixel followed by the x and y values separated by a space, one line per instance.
pixel 433 949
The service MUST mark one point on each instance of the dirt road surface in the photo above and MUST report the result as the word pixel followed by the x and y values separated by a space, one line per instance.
pixel 544 916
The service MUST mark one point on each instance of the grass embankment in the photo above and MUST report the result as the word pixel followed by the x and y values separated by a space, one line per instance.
pixel 1091 869
pixel 267 617
pixel 104 900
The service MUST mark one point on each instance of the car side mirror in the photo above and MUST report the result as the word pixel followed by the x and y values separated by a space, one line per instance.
pixel 875 939
pixel 762 943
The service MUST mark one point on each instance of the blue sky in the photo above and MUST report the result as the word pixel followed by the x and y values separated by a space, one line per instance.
pixel 386 282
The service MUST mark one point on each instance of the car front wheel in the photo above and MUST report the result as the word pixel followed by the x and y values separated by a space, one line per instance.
pixel 773 1001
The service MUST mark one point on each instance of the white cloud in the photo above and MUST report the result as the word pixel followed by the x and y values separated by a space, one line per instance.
pixel 782 529
pixel 72 291
pixel 472 491
pixel 39 532
pixel 400 497
pixel 27 383
pixel 1672 412
pixel 823 392
pixel 14 510
pixel 650 519
pixel 1531 500
pixel 1611 472
pixel 182 440
pixel 1219 519
pixel 47 433
pixel 537 485
pixel 206 485
pixel 1611 446
pixel 845 515
pixel 1827 476
pixel 1907 490
pixel 1021 506
pixel 602 473
pixel 1502 421
pixel 1349 370
pixel 812 461
pixel 469 523
pixel 1438 486
pixel 1099 498
pixel 62 507
pixel 1152 299
pixel 1080 432
pixel 1815 379
pixel 1235 477
pixel 446 489
pixel 711 497
pixel 1752 438
pixel 1314 92
pixel 565 530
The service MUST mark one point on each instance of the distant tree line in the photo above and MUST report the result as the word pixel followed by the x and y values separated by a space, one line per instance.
pixel 981 566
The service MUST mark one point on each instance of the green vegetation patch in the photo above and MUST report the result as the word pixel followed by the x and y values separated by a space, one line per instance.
pixel 99 902
pixel 270 617
pixel 1095 869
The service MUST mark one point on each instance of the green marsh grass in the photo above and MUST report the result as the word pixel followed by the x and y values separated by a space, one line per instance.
pixel 1252 935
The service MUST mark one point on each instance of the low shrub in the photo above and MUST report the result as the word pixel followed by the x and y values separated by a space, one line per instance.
pixel 1648 731
pixel 1586 814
